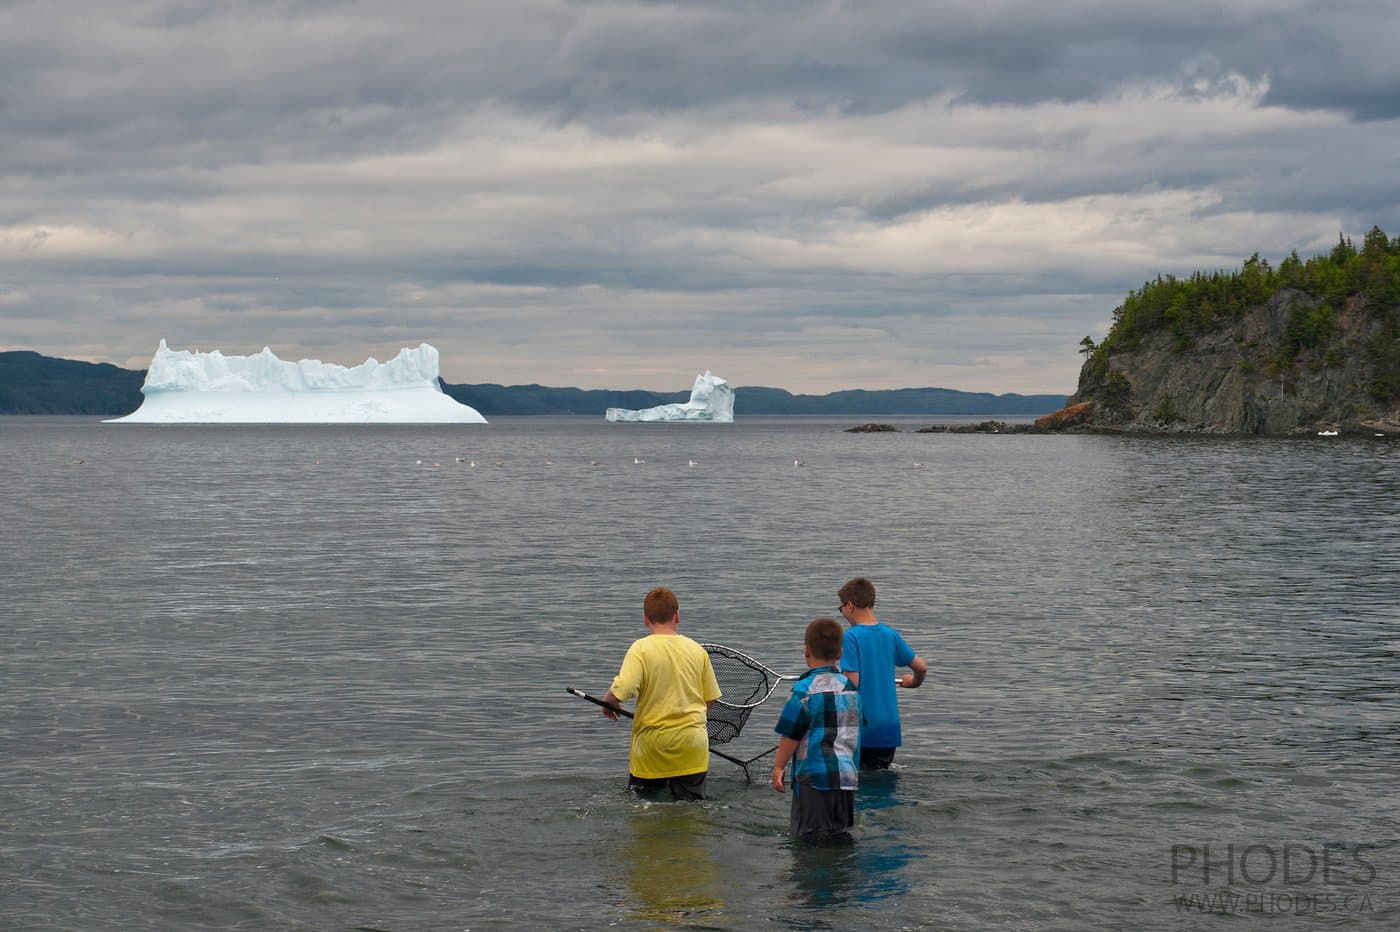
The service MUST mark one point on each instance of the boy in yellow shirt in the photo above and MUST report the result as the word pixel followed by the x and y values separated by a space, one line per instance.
pixel 675 684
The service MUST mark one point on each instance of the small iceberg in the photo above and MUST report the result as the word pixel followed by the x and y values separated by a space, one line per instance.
pixel 712 400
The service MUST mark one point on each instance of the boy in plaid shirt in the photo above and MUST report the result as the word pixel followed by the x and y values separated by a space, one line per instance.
pixel 820 734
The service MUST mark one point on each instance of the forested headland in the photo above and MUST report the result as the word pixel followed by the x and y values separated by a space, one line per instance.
pixel 1310 345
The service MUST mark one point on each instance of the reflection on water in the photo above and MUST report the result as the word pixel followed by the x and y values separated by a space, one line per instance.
pixel 822 876
pixel 670 870
pixel 877 790
pixel 869 869
pixel 860 874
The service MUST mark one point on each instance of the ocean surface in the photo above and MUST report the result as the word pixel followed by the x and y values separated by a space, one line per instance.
pixel 314 677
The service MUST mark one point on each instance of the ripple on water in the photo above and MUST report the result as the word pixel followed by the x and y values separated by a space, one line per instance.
pixel 247 689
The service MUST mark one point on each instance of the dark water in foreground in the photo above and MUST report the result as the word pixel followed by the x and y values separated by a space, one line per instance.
pixel 273 678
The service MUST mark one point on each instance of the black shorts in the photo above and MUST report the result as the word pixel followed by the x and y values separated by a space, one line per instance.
pixel 822 817
pixel 876 758
pixel 689 787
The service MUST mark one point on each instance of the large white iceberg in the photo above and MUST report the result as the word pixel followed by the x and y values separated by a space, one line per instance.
pixel 712 399
pixel 210 388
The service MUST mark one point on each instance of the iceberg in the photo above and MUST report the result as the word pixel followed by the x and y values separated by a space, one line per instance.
pixel 182 387
pixel 712 399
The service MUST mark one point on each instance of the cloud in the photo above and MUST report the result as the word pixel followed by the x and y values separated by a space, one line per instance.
pixel 818 196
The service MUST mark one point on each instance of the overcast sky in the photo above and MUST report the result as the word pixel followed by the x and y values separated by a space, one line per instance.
pixel 810 195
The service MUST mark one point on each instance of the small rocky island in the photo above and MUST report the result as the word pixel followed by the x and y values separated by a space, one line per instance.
pixel 1310 347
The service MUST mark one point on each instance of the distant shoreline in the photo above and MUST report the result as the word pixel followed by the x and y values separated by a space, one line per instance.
pixel 852 419
pixel 33 384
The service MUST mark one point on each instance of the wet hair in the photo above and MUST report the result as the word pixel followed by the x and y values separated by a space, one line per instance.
pixel 860 592
pixel 823 638
pixel 660 605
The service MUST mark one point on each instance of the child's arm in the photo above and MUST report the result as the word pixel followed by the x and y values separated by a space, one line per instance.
pixel 611 701
pixel 915 679
pixel 786 748
pixel 627 683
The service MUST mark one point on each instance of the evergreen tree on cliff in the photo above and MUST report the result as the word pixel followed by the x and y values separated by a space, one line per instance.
pixel 1308 346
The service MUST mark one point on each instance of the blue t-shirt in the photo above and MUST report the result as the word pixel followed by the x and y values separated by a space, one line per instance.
pixel 872 652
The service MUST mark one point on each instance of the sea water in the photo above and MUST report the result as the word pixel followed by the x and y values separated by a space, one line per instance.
pixel 281 677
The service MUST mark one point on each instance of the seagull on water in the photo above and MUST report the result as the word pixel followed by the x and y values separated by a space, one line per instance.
pixel 595 463
pixel 637 462
pixel 690 462
pixel 798 463
pixel 918 465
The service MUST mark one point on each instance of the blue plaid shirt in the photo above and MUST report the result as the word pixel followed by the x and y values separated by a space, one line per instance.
pixel 823 716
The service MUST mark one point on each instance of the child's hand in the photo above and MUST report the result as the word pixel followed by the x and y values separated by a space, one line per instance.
pixel 610 705
pixel 778 779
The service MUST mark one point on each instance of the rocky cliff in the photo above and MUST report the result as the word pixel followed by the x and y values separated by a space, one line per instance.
pixel 1241 379
pixel 1307 348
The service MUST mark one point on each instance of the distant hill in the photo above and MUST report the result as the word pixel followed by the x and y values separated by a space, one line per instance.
pixel 892 401
pixel 1312 345
pixel 506 400
pixel 35 384
pixel 539 399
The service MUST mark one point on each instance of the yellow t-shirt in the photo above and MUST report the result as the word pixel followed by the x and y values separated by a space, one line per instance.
pixel 672 678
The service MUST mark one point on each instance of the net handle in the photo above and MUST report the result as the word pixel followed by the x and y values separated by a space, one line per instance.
pixel 596 701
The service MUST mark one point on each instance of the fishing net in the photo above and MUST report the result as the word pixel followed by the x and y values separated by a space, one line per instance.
pixel 745 684
pixel 724 723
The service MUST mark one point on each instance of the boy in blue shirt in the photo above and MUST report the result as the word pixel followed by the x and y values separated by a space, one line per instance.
pixel 820 733
pixel 870 654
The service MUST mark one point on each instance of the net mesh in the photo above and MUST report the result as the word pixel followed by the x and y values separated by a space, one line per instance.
pixel 744 683
pixel 724 723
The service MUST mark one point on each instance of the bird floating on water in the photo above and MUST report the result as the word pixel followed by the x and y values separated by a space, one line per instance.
pixel 690 462
pixel 637 462
pixel 1328 433
pixel 797 463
